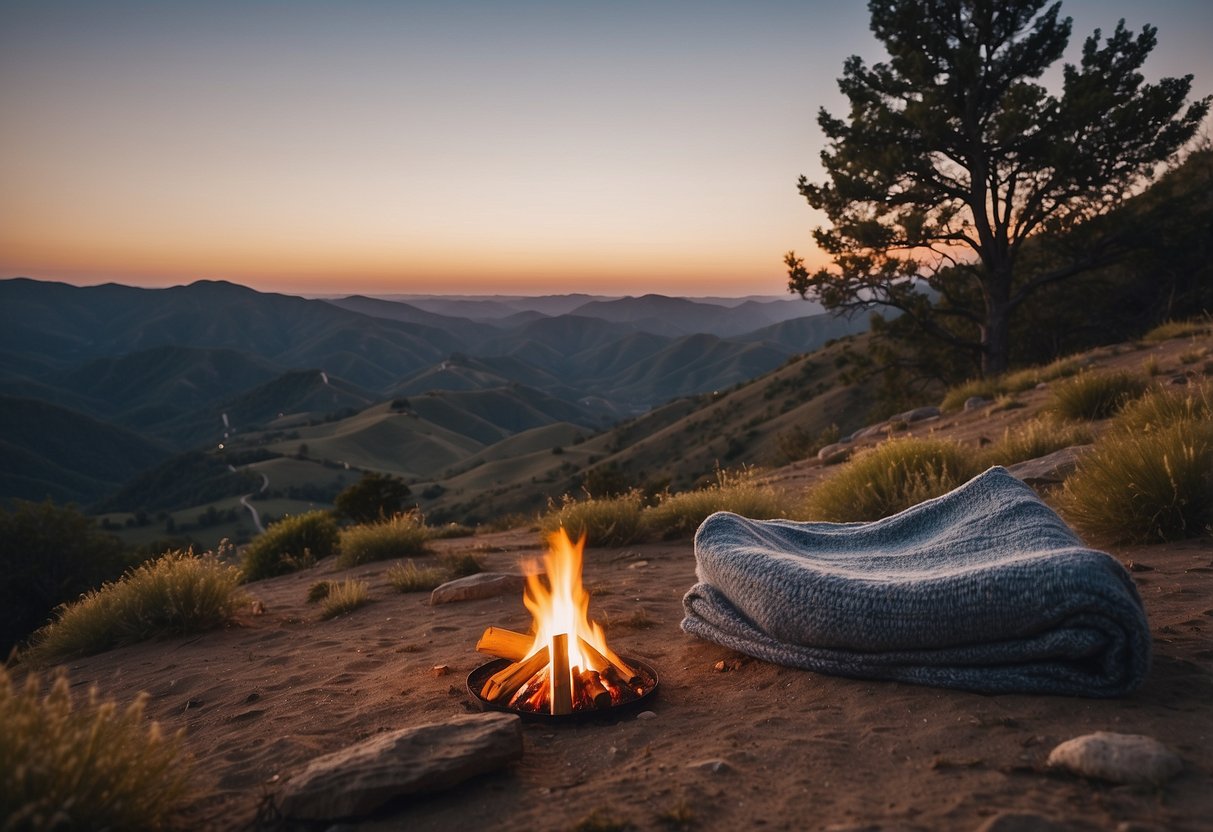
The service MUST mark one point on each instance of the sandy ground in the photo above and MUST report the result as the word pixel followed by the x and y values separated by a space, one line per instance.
pixel 799 750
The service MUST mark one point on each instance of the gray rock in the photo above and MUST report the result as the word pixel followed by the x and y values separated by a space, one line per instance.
pixel 976 402
pixel 835 453
pixel 713 766
pixel 1117 758
pixel 871 430
pixel 480 585
pixel 1022 822
pixel 918 414
pixel 357 780
pixel 1051 468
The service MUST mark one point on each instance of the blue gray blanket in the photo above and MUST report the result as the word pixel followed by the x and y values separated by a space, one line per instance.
pixel 983 589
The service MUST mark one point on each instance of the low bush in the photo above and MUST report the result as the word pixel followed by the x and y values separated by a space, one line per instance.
pixel 1150 477
pixel 611 521
pixel 1035 438
pixel 177 593
pixel 1094 396
pixel 403 534
pixel 680 514
pixel 289 545
pixel 344 596
pixel 1180 329
pixel 318 591
pixel 64 767
pixel 409 577
pixel 460 564
pixel 1015 382
pixel 891 477
pixel 450 530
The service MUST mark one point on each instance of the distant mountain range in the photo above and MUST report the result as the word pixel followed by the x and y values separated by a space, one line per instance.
pixel 138 375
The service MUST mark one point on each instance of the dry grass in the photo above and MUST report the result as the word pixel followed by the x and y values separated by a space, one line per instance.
pixel 177 593
pixel 1094 396
pixel 64 767
pixel 344 596
pixel 409 577
pixel 1035 438
pixel 403 534
pixel 291 544
pixel 891 477
pixel 740 492
pixel 1180 329
pixel 614 521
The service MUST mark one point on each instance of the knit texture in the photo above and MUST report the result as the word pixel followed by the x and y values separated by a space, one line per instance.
pixel 983 589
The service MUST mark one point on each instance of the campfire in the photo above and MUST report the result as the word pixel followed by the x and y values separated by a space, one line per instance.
pixel 564 666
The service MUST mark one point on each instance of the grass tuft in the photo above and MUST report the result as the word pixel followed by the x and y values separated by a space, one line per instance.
pixel 409 577
pixel 403 534
pixel 1094 396
pixel 460 564
pixel 64 767
pixel 177 593
pixel 1180 329
pixel 1035 438
pixel 612 521
pixel 739 492
pixel 291 544
pixel 344 596
pixel 891 477
pixel 1150 477
pixel 318 591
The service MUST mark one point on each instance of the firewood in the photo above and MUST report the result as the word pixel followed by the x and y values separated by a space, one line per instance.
pixel 595 691
pixel 601 661
pixel 503 683
pixel 560 681
pixel 505 644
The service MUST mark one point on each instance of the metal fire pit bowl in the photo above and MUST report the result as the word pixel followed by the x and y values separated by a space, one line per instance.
pixel 480 675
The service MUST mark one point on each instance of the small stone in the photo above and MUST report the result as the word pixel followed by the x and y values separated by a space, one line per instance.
pixel 1022 822
pixel 1051 468
pixel 258 607
pixel 646 715
pixel 440 670
pixel 356 781
pixel 1117 758
pixel 480 585
pixel 975 402
pixel 918 414
pixel 640 564
pixel 720 666
pixel 835 453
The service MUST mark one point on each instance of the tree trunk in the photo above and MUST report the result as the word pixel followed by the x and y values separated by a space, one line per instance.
pixel 996 333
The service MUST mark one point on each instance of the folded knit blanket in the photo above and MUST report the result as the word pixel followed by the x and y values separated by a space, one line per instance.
pixel 983 589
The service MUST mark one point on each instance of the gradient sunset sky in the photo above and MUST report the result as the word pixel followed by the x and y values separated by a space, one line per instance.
pixel 453 147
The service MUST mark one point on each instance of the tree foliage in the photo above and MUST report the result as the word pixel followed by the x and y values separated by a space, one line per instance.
pixel 374 497
pixel 955 157
pixel 49 555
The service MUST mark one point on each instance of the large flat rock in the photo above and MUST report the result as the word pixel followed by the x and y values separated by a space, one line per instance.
pixel 480 585
pixel 361 778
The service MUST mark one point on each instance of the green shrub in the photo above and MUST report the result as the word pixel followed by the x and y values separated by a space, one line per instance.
pixel 289 545
pixel 1095 396
pixel 1036 438
pixel 175 594
pixel 1145 486
pixel 891 477
pixel 344 596
pixel 450 530
pixel 408 577
pixel 611 521
pixel 64 767
pixel 680 514
pixel 404 534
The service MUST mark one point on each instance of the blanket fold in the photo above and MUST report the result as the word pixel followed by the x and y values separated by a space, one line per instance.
pixel 983 589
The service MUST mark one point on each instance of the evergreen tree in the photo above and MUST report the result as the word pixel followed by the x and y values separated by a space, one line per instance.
pixel 954 157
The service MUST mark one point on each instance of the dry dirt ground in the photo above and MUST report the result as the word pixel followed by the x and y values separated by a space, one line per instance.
pixel 753 746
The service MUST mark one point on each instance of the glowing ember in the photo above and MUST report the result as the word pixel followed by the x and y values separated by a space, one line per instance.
pixel 566 665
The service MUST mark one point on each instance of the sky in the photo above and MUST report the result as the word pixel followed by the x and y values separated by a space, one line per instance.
pixel 452 146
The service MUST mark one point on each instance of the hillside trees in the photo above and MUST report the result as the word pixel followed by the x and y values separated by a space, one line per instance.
pixel 374 497
pixel 954 157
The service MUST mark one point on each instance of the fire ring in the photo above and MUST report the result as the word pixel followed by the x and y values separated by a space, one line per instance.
pixel 477 678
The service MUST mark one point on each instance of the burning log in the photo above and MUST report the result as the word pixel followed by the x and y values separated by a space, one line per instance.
pixel 561 682
pixel 601 663
pixel 505 644
pixel 503 685
pixel 594 690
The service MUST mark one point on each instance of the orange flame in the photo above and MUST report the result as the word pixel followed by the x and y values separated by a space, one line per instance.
pixel 560 604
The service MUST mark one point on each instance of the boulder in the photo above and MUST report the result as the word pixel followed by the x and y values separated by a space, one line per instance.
pixel 480 585
pixel 358 780
pixel 976 402
pixel 918 414
pixel 835 453
pixel 1117 758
